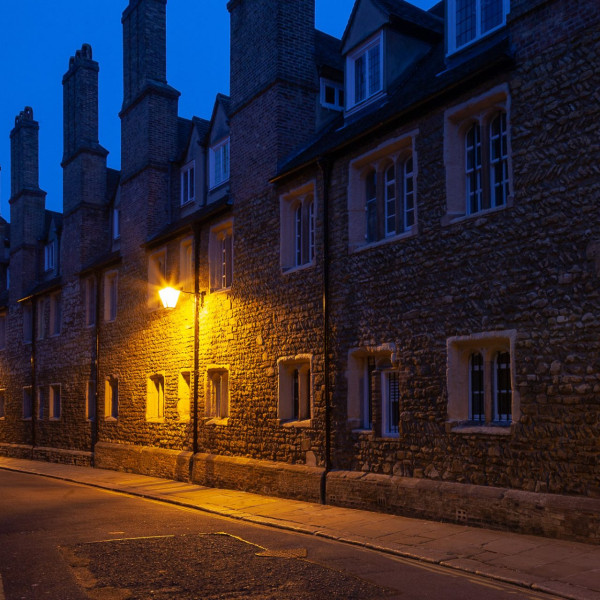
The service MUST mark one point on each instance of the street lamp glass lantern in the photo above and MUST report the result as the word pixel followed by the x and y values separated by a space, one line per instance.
pixel 169 297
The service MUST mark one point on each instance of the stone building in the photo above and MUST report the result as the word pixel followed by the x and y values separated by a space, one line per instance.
pixel 388 249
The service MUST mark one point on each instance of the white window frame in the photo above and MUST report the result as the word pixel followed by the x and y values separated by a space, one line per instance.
pixel 216 406
pixel 452 46
pixel 220 256
pixel 54 402
pixel 460 349
pixel 111 295
pixel 188 183
pixel 364 51
pixel 295 371
pixel 155 398
pixel 338 92
pixel 49 256
pixel 219 163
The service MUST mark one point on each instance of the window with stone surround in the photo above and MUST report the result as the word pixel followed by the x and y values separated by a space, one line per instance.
pixel 481 375
pixel 471 20
pixel 2 403
pixel 42 309
pixel 295 389
pixel 183 395
pixel 54 402
pixel 297 234
pixel 217 392
pixel 220 256
pixel 477 155
pixel 111 398
pixel 27 403
pixel 157 277
pixel 373 390
pixel 364 71
pixel 382 193
pixel 155 397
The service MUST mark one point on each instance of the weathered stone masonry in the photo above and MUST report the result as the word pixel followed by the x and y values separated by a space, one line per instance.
pixel 264 211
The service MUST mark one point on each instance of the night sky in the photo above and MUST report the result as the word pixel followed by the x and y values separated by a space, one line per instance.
pixel 37 37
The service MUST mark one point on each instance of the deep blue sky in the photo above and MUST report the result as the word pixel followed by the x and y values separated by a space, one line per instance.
pixel 37 37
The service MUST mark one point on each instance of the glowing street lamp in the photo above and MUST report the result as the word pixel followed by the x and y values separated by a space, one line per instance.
pixel 169 297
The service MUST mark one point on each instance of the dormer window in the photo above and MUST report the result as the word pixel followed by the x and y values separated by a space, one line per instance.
pixel 188 186
pixel 470 20
pixel 219 163
pixel 364 71
pixel 332 94
pixel 49 256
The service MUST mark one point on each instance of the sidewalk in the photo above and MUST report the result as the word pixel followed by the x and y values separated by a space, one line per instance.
pixel 566 569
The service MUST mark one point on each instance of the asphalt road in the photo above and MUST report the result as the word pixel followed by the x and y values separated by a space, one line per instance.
pixel 66 541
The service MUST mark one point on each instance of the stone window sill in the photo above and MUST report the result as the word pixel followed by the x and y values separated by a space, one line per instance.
pixel 305 424
pixel 487 429
pixel 452 218
pixel 217 421
pixel 409 233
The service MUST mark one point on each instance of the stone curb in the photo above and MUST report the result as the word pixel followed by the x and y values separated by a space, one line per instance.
pixel 523 580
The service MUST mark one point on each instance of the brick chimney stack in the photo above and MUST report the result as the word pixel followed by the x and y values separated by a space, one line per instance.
pixel 27 201
pixel 84 164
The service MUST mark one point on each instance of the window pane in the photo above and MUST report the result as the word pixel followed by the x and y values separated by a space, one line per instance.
pixel 473 169
pixel 503 387
pixel 393 407
pixel 499 160
pixel 466 19
pixel 476 382
pixel 390 202
pixel 360 83
pixel 374 70
pixel 298 234
pixel 491 14
pixel 329 94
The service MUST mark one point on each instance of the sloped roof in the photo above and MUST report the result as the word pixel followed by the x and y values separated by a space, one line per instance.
pixel 427 79
pixel 328 51
pixel 113 177
pixel 49 216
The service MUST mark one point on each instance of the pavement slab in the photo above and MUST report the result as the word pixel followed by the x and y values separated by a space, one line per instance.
pixel 566 569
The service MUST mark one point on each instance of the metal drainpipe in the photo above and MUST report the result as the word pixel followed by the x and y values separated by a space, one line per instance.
pixel 325 168
pixel 96 363
pixel 33 395
pixel 197 229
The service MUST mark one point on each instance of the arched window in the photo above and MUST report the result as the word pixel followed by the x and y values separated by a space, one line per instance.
pixel 473 169
pixel 371 205
pixel 498 160
pixel 390 201
pixel 476 388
